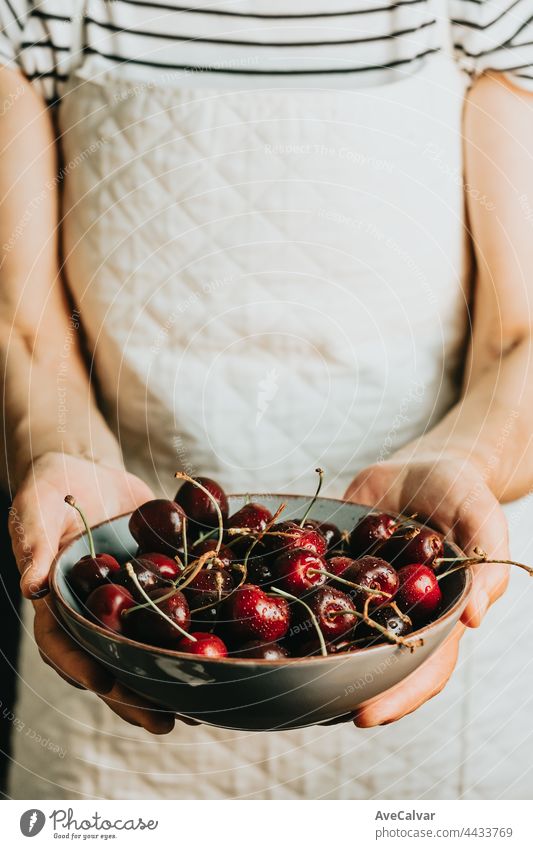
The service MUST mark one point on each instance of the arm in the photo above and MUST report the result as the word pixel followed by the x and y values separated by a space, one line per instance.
pixel 50 450
pixel 493 423
pixel 481 452
pixel 36 322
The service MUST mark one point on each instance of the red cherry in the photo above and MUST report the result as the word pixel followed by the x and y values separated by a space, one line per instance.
pixel 295 573
pixel 197 504
pixel 259 567
pixel 375 574
pixel 149 576
pixel 165 567
pixel 253 517
pixel 413 545
pixel 157 525
pixel 333 610
pixel 225 554
pixel 328 530
pixel 90 572
pixel 93 569
pixel 338 564
pixel 255 615
pixel 371 529
pixel 106 605
pixel 209 586
pixel 262 651
pixel 419 594
pixel 206 645
pixel 147 626
pixel 297 537
pixel 388 618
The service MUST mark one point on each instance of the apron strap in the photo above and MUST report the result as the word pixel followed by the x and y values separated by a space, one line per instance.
pixel 73 58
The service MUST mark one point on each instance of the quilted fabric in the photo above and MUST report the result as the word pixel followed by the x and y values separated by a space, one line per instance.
pixel 269 281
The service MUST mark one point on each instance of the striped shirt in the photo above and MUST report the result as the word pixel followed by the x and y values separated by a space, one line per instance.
pixel 356 42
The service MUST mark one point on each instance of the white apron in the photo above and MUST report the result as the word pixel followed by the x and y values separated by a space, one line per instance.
pixel 269 280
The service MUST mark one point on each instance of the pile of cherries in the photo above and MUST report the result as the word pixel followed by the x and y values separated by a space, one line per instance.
pixel 256 586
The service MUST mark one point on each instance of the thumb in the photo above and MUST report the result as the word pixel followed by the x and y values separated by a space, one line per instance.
pixel 36 525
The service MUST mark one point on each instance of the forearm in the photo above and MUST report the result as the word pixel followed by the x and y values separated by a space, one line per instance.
pixel 493 422
pixel 491 425
pixel 47 400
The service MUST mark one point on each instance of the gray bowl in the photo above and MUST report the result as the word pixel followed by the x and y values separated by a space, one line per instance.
pixel 251 695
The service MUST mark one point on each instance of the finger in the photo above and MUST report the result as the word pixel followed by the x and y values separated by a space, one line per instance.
pixel 490 582
pixel 137 711
pixel 483 525
pixel 423 684
pixel 60 652
pixel 376 486
pixel 36 524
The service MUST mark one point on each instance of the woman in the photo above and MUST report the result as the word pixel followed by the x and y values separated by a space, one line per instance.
pixel 263 240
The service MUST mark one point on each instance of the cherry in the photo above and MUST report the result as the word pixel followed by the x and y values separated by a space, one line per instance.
pixel 164 566
pixel 329 531
pixel 199 508
pixel 209 587
pixel 299 571
pixel 150 575
pixel 225 554
pixel 252 517
pixel 255 615
pixel 286 536
pixel 333 611
pixel 107 603
pixel 375 574
pixel 92 569
pixel 371 529
pixel 91 572
pixel 338 564
pixel 206 645
pixel 414 545
pixel 419 593
pixel 390 619
pixel 146 624
pixel 262 651
pixel 259 569
pixel 157 525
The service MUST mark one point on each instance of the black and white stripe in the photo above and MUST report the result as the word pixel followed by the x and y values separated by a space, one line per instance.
pixel 364 42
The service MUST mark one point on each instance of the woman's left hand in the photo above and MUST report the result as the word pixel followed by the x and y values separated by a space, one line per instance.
pixel 450 493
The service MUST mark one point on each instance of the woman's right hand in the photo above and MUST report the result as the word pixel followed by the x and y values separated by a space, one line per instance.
pixel 39 524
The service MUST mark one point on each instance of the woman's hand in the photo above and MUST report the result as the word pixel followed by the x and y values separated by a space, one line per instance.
pixel 39 524
pixel 451 494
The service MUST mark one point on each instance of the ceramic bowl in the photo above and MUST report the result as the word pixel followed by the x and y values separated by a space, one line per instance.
pixel 244 694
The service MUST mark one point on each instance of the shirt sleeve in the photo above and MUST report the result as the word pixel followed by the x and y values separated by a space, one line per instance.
pixel 13 16
pixel 494 35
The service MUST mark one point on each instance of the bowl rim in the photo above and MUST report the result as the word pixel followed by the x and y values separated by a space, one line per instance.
pixel 166 652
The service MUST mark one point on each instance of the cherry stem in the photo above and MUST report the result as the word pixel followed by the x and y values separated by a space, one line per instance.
pixel 223 598
pixel 69 499
pixel 257 539
pixel 196 567
pixel 320 473
pixel 203 537
pixel 352 584
pixel 131 572
pixel 394 638
pixel 323 649
pixel 479 558
pixel 185 546
pixel 399 613
pixel 185 477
